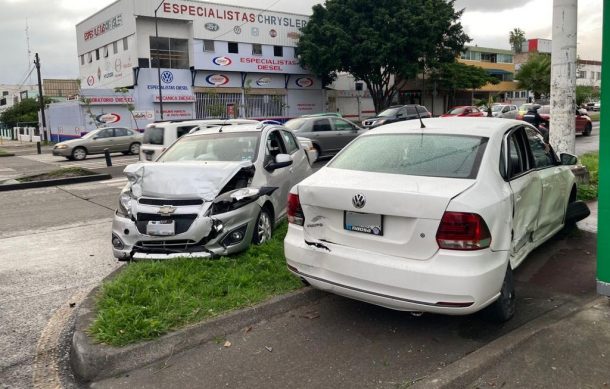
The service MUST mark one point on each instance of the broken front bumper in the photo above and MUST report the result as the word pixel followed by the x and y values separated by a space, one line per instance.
pixel 195 235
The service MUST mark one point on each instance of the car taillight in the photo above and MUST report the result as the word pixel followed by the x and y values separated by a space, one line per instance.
pixel 295 212
pixel 463 231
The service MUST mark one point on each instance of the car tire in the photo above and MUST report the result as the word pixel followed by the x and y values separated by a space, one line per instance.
pixel 588 129
pixel 70 158
pixel 134 148
pixel 79 153
pixel 503 308
pixel 263 228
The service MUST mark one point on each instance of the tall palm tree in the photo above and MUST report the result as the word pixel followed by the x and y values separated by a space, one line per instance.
pixel 516 38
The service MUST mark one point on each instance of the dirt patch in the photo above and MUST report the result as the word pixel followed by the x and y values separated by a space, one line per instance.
pixel 56 174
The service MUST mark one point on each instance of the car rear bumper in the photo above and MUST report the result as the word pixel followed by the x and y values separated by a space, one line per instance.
pixel 451 282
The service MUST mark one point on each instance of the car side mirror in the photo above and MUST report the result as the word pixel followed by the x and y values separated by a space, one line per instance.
pixel 568 159
pixel 281 161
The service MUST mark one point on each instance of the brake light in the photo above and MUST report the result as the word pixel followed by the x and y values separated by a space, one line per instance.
pixel 463 231
pixel 295 212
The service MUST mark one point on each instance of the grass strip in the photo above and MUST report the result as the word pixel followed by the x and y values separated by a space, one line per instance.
pixel 58 173
pixel 591 161
pixel 594 116
pixel 150 298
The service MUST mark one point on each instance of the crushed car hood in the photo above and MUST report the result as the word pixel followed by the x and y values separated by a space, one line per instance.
pixel 182 180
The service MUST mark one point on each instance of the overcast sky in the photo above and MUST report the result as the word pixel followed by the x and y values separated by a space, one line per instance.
pixel 52 28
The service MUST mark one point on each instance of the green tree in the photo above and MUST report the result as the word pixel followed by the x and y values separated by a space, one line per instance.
pixel 585 93
pixel 23 112
pixel 383 43
pixel 516 38
pixel 452 77
pixel 535 75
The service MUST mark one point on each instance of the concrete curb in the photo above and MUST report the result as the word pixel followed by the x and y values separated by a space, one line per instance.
pixel 7 155
pixel 464 371
pixel 92 362
pixel 59 181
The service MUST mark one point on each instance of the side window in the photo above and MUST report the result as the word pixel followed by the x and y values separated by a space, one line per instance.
pixel 274 145
pixel 322 125
pixel 411 111
pixel 181 131
pixel 543 156
pixel 517 154
pixel 290 142
pixel 120 132
pixel 107 133
pixel 342 125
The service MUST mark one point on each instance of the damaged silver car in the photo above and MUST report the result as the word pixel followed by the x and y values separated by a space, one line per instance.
pixel 211 193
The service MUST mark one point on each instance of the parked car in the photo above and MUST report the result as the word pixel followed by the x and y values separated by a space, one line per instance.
pixel 597 106
pixel 115 139
pixel 583 123
pixel 323 114
pixel 211 193
pixel 431 220
pixel 328 134
pixel 159 136
pixel 465 111
pixel 504 111
pixel 397 113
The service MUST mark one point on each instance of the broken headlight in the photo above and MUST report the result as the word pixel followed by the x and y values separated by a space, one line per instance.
pixel 125 200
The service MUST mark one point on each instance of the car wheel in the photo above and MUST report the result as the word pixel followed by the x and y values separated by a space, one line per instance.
pixel 263 227
pixel 134 148
pixel 70 158
pixel 79 153
pixel 504 307
pixel 587 131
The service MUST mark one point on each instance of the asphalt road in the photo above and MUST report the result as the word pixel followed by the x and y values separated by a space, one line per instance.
pixel 585 144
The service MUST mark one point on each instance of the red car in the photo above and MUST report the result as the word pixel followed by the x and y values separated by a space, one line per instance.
pixel 582 119
pixel 465 111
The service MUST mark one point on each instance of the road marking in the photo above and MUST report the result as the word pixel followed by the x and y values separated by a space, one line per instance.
pixel 45 370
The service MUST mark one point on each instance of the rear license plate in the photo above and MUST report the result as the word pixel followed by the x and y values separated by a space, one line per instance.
pixel 161 228
pixel 363 222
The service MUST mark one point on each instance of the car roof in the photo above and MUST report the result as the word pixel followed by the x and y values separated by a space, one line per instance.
pixel 480 126
pixel 258 127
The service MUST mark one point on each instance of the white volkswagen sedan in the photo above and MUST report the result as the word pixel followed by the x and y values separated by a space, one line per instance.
pixel 430 219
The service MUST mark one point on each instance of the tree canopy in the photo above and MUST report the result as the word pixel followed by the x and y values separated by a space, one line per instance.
pixel 24 111
pixel 516 38
pixel 380 41
pixel 535 75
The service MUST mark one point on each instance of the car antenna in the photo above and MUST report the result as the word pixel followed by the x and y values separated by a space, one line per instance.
pixel 419 116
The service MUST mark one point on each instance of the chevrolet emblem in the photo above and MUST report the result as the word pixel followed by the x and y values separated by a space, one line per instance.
pixel 166 210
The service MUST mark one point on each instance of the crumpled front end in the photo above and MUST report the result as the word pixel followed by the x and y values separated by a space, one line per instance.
pixel 186 210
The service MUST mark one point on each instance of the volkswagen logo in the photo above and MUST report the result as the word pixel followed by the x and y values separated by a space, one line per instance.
pixel 359 201
pixel 167 77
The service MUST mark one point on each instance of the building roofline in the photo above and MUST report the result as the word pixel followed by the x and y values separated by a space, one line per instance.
pixel 488 49
pixel 98 11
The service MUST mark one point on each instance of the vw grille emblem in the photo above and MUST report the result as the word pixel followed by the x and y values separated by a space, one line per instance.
pixel 166 210
pixel 167 77
pixel 359 201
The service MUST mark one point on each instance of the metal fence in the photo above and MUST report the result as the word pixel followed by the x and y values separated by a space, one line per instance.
pixel 214 105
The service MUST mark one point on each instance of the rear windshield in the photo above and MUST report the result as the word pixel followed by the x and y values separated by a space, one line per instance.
pixel 457 111
pixel 153 136
pixel 430 155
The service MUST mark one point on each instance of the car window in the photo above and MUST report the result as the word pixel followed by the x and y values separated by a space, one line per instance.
pixel 517 154
pixel 431 155
pixel 411 111
pixel 153 135
pixel 457 111
pixel 543 156
pixel 474 109
pixel 181 131
pixel 121 132
pixel 274 145
pixel 289 141
pixel 232 146
pixel 342 125
pixel 322 125
pixel 106 133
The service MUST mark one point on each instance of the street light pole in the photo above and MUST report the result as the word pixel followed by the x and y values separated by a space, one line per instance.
pixel 159 60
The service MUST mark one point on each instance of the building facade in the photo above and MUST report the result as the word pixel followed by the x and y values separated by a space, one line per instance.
pixel 215 61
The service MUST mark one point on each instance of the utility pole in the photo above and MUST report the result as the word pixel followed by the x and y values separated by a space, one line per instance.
pixel 603 228
pixel 41 99
pixel 563 76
